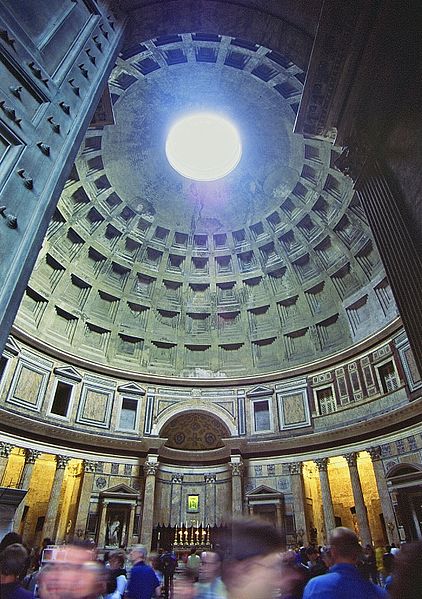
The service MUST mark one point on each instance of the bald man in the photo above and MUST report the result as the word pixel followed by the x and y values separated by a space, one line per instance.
pixel 343 581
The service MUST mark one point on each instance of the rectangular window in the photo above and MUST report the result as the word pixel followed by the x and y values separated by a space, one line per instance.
pixel 61 399
pixel 128 414
pixel 3 364
pixel 261 411
pixel 388 377
pixel 326 401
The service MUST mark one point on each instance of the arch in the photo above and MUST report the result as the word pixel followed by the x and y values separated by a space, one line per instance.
pixel 178 409
pixel 404 468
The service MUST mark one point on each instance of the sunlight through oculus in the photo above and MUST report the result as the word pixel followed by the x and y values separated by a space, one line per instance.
pixel 203 147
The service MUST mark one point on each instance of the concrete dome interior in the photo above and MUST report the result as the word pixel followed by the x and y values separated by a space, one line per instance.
pixel 178 351
pixel 142 269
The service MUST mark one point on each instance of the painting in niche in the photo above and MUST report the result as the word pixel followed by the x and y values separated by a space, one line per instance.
pixel 193 503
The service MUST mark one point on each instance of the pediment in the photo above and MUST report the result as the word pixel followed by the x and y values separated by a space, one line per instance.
pixel 12 347
pixel 68 372
pixel 263 490
pixel 120 490
pixel 260 391
pixel 132 388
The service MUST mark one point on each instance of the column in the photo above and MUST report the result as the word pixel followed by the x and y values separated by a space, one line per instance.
pixel 131 524
pixel 361 514
pixel 210 507
pixel 103 523
pixel 384 495
pixel 84 497
pixel 327 500
pixel 176 499
pixel 52 516
pixel 150 470
pixel 236 466
pixel 295 470
pixel 5 450
pixel 30 456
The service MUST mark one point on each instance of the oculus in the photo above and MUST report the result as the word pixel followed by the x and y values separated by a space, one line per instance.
pixel 203 146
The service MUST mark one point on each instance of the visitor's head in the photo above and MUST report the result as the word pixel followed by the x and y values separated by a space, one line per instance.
pixel 344 546
pixel 138 554
pixel 73 574
pixel 312 554
pixel 10 538
pixel 210 566
pixel 13 561
pixel 117 559
pixel 407 572
pixel 252 563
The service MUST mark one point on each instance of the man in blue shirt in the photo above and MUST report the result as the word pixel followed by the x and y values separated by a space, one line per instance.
pixel 143 582
pixel 343 581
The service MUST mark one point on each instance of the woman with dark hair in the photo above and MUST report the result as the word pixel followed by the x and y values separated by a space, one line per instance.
pixel 117 578
pixel 407 572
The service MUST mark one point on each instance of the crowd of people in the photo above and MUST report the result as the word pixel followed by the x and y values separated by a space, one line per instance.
pixel 248 564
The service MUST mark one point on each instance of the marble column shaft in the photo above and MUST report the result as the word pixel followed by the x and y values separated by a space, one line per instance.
pixel 103 524
pixel 176 499
pixel 85 496
pixel 296 481
pixel 5 450
pixel 237 500
pixel 384 495
pixel 210 512
pixel 361 514
pixel 150 469
pixel 30 456
pixel 52 516
pixel 327 500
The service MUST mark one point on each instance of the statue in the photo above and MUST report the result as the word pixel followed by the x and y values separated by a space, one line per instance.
pixel 113 531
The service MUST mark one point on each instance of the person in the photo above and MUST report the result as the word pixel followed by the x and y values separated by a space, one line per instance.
pixel 10 538
pixel 316 566
pixel 343 580
pixel 167 565
pixel 294 576
pixel 117 579
pixel 407 573
pixel 143 582
pixel 13 560
pixel 210 584
pixel 387 566
pixel 371 561
pixel 252 561
pixel 193 563
pixel 73 574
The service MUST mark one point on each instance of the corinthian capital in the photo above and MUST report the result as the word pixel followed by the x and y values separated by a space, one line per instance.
pixel 62 461
pixel 375 453
pixel 351 458
pixel 5 449
pixel 150 468
pixel 295 467
pixel 31 455
pixel 321 464
pixel 237 468
pixel 90 466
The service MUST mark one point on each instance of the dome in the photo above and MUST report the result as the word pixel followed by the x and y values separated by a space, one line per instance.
pixel 148 271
